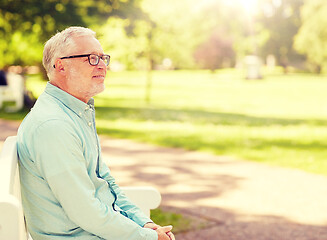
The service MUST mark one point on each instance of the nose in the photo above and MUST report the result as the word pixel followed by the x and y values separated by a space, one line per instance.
pixel 101 64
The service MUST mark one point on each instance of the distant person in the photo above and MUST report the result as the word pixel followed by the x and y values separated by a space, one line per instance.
pixel 68 192
pixel 3 78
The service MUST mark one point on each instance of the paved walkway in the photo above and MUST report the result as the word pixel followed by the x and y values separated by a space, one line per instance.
pixel 237 200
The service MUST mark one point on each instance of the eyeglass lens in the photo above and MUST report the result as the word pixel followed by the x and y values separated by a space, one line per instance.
pixel 94 59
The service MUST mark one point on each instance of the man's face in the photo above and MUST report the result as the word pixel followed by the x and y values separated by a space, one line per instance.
pixel 82 79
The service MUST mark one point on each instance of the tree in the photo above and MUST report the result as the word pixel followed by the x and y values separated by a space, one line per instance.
pixel 230 34
pixel 175 34
pixel 216 52
pixel 311 39
pixel 281 20
pixel 26 24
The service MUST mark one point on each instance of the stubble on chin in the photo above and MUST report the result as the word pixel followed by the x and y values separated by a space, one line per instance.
pixel 97 88
pixel 85 87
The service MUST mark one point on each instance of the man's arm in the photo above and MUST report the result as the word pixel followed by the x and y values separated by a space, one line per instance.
pixel 133 212
pixel 59 156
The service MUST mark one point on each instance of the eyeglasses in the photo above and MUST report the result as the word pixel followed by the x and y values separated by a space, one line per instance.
pixel 93 58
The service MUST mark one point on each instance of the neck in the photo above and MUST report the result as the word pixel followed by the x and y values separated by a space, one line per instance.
pixel 63 86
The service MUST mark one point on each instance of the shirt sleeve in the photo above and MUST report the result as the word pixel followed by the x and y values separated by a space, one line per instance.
pixel 133 212
pixel 59 157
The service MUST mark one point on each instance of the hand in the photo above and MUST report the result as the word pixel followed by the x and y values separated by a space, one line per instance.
pixel 164 233
pixel 151 225
pixel 171 235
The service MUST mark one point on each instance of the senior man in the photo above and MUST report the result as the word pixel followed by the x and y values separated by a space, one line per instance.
pixel 67 190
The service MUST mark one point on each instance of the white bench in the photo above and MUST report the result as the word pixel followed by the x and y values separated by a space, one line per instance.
pixel 13 92
pixel 12 225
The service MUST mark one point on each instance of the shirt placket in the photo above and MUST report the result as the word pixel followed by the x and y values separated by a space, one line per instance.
pixel 91 123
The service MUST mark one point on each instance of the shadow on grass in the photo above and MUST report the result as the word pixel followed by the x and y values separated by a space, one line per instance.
pixel 183 115
pixel 219 145
pixel 197 116
pixel 196 141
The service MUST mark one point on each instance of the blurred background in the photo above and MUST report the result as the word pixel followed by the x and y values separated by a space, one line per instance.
pixel 238 78
pixel 233 77
pixel 188 34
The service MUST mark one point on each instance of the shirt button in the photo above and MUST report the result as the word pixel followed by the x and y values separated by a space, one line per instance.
pixel 90 124
pixel 80 113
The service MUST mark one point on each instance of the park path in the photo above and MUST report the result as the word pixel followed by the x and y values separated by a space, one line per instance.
pixel 230 199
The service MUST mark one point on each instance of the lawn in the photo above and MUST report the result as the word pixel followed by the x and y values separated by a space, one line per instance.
pixel 280 120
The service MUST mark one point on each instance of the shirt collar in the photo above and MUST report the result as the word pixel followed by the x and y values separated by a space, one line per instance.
pixel 76 105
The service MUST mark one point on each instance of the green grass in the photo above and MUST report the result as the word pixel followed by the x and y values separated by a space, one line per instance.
pixel 281 120
pixel 179 222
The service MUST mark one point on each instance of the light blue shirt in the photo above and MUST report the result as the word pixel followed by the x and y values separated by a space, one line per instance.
pixel 67 190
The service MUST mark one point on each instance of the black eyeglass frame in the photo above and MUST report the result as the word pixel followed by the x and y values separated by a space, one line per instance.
pixel 88 56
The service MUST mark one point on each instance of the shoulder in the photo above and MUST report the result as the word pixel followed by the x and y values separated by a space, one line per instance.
pixel 47 122
pixel 47 112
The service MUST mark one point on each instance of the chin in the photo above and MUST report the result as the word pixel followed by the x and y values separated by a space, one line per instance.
pixel 98 88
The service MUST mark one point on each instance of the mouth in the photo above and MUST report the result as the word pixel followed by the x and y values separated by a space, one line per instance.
pixel 99 76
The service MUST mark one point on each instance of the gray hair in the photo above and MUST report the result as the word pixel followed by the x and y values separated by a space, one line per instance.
pixel 58 45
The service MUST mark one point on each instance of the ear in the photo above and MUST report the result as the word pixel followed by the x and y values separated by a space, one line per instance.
pixel 59 66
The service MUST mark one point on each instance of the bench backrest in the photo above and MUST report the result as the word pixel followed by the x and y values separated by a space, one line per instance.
pixel 12 225
pixel 13 92
pixel 16 83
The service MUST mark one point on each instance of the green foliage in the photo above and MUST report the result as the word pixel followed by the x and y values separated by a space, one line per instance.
pixel 268 30
pixel 26 24
pixel 153 37
pixel 281 20
pixel 176 34
pixel 143 34
pixel 312 36
pixel 131 50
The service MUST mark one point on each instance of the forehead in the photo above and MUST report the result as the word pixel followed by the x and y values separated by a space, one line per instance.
pixel 86 45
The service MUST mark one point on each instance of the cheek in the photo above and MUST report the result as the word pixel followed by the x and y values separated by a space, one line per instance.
pixel 79 77
pixel 84 75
